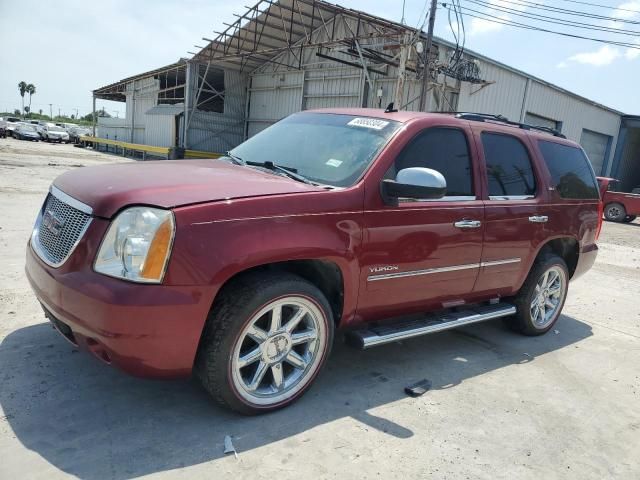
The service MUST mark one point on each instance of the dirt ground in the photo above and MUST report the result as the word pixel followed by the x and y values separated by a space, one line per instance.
pixel 565 405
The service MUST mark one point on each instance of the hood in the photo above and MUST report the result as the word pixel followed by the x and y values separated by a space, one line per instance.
pixel 108 188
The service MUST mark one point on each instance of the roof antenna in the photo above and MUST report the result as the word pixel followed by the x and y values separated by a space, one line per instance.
pixel 390 108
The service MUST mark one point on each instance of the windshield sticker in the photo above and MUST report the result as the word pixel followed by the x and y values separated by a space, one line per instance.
pixel 373 123
pixel 332 162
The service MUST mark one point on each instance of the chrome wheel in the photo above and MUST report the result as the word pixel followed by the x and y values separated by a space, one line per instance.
pixel 548 297
pixel 279 351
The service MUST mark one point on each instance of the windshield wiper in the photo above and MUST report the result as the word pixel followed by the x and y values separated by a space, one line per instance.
pixel 288 171
pixel 234 158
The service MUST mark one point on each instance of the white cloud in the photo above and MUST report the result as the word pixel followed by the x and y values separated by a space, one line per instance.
pixel 627 10
pixel 601 57
pixel 632 53
pixel 480 26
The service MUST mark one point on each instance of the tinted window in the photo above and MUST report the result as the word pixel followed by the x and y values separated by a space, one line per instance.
pixel 508 166
pixel 571 172
pixel 444 150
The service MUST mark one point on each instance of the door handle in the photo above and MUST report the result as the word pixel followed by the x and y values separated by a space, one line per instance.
pixel 467 224
pixel 539 219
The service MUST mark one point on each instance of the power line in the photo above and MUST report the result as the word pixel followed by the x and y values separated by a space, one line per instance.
pixel 556 20
pixel 493 19
pixel 564 11
pixel 601 6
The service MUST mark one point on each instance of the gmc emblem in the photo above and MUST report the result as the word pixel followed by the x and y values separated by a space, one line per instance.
pixel 52 223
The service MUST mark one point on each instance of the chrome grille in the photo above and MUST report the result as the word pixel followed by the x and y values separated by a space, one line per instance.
pixel 59 228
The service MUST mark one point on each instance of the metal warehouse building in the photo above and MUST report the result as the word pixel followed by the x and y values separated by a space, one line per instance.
pixel 280 57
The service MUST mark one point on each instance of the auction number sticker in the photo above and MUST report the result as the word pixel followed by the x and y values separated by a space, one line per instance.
pixel 372 123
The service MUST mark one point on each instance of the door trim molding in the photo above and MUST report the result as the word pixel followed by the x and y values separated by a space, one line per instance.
pixel 429 271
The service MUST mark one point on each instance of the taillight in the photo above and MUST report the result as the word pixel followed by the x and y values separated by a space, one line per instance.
pixel 600 214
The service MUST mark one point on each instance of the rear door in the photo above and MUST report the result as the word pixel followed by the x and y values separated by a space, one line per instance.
pixel 423 254
pixel 515 214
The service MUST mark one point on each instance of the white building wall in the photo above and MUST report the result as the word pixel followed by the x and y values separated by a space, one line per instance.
pixel 159 130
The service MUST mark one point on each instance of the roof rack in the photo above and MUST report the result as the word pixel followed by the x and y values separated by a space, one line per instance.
pixel 483 117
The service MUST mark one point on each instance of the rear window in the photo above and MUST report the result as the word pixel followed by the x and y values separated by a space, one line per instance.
pixel 571 173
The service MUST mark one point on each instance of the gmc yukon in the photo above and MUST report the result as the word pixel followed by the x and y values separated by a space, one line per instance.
pixel 383 224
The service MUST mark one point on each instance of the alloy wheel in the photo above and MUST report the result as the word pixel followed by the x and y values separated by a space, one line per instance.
pixel 548 297
pixel 279 350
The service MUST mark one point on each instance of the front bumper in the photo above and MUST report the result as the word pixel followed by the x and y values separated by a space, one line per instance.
pixel 145 330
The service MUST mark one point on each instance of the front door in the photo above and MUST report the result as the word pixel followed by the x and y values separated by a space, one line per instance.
pixel 424 254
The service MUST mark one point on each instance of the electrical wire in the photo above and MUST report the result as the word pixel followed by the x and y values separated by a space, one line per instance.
pixel 556 20
pixel 564 11
pixel 601 6
pixel 493 19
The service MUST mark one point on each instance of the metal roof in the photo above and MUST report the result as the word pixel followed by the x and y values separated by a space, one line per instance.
pixel 115 91
pixel 166 109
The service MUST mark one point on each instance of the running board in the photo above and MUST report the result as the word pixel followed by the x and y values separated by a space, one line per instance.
pixel 374 336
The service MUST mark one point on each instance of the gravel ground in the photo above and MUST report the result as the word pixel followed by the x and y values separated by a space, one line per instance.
pixel 565 405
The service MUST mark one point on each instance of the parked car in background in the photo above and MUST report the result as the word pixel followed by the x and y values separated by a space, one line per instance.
pixel 385 224
pixel 12 122
pixel 76 132
pixel 39 125
pixel 54 133
pixel 26 131
pixel 3 128
pixel 618 206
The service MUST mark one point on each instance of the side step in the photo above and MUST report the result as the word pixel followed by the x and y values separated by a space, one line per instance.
pixel 374 336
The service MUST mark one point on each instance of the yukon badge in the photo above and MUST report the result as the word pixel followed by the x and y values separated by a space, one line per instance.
pixel 383 268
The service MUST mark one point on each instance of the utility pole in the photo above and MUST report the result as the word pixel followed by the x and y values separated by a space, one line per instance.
pixel 58 113
pixel 51 111
pixel 426 73
pixel 404 55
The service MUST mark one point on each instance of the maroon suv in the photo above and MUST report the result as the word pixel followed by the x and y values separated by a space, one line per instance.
pixel 387 225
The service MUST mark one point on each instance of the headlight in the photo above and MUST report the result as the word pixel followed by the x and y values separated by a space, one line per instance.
pixel 137 245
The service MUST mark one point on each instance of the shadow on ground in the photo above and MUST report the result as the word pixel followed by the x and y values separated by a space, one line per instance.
pixel 94 422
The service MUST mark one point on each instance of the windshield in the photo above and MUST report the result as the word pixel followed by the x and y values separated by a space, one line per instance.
pixel 326 148
pixel 30 128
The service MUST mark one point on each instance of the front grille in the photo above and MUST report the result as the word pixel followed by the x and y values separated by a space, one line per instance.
pixel 59 228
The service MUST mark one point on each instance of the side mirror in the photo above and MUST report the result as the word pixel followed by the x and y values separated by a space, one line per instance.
pixel 415 182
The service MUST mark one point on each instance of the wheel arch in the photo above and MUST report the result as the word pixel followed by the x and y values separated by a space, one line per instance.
pixel 567 248
pixel 326 275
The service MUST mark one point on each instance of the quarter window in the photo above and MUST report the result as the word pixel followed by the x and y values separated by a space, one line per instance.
pixel 571 172
pixel 444 150
pixel 509 167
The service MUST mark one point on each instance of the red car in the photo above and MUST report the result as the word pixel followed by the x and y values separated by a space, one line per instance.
pixel 618 206
pixel 384 224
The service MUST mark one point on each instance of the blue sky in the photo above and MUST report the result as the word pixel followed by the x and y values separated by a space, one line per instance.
pixel 69 47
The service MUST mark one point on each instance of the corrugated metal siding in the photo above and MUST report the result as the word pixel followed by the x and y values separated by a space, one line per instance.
pixel 273 96
pixel 160 130
pixel 574 114
pixel 504 97
pixel 219 132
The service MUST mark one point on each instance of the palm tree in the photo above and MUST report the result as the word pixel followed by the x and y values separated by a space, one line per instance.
pixel 31 89
pixel 22 86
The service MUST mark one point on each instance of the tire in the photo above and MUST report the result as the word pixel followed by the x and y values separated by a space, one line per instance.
pixel 530 319
pixel 629 218
pixel 239 330
pixel 615 212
